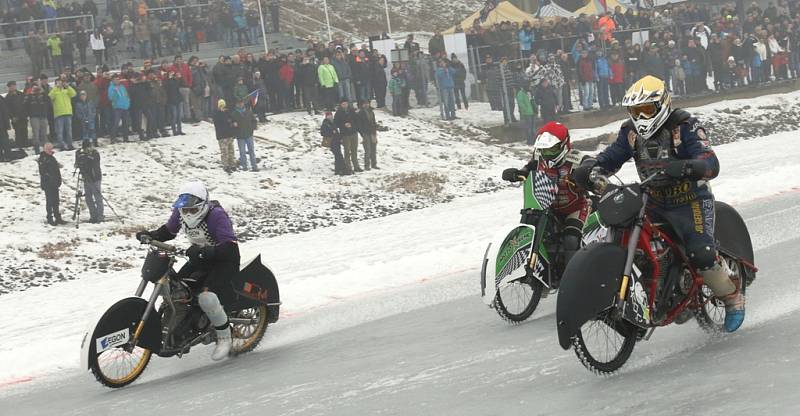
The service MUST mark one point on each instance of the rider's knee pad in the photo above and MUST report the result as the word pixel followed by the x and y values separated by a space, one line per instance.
pixel 702 256
pixel 209 303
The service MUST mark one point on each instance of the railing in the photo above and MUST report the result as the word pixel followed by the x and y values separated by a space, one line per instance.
pixel 179 8
pixel 322 24
pixel 48 26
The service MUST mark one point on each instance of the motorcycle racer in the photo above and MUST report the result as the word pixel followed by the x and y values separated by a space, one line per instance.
pixel 672 145
pixel 214 253
pixel 553 162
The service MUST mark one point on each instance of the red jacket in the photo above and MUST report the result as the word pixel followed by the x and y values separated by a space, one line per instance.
pixel 286 73
pixel 586 69
pixel 102 91
pixel 186 73
pixel 617 73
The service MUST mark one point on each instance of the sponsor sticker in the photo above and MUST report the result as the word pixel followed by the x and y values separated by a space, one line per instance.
pixel 112 340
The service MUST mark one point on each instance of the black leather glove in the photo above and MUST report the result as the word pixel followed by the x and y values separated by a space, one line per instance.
pixel 513 174
pixel 693 169
pixel 199 254
pixel 143 235
pixel 580 176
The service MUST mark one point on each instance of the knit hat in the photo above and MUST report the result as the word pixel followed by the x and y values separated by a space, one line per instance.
pixel 328 113
pixel 221 104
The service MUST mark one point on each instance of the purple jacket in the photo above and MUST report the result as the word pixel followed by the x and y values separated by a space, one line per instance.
pixel 216 229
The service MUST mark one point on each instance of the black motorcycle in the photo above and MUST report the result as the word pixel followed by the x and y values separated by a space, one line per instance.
pixel 120 345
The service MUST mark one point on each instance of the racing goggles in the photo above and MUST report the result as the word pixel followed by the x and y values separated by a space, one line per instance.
pixel 644 111
pixel 188 204
pixel 552 152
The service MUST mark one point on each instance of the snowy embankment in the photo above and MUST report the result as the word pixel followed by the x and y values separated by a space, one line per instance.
pixel 327 266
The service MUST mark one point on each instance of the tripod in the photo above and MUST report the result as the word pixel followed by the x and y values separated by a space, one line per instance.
pixel 76 210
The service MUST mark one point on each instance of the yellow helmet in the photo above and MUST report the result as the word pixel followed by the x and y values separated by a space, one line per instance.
pixel 649 105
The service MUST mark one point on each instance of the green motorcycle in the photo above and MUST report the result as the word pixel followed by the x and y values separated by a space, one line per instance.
pixel 514 275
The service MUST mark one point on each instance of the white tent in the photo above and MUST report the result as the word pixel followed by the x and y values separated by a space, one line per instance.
pixel 551 9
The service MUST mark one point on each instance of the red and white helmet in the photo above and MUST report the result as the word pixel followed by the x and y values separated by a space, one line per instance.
pixel 552 143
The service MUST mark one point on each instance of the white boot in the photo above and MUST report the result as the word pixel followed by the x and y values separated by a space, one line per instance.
pixel 223 344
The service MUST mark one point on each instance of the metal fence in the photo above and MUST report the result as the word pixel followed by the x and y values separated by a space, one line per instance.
pixel 56 25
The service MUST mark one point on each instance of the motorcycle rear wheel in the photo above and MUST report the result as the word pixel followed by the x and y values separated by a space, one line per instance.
pixel 246 337
pixel 118 367
pixel 521 299
pixel 604 345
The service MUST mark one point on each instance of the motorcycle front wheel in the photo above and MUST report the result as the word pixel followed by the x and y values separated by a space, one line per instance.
pixel 119 366
pixel 516 302
pixel 604 344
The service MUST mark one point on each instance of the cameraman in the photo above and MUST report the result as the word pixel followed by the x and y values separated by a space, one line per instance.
pixel 87 160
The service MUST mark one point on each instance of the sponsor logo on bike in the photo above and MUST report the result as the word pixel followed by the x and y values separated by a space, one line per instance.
pixel 112 340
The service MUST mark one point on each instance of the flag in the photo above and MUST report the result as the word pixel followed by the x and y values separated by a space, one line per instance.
pixel 253 98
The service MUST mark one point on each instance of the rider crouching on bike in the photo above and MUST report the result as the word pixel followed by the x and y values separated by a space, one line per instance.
pixel 214 251
pixel 553 161
pixel 673 145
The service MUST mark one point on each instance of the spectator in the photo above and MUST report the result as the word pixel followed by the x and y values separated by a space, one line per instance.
pixel 396 90
pixel 344 76
pixel 15 103
pixel 126 28
pixel 368 128
pixel 545 98
pixel 5 146
pixel 378 80
pixel 244 123
pixel 36 106
pixel 445 83
pixel 603 69
pixel 328 82
pixel 98 45
pixel 678 78
pixel 86 113
pixel 185 85
pixel 81 41
pixel 436 45
pixel 525 36
pixel 308 83
pixel 526 114
pixel 587 76
pixel 160 109
pixel 286 75
pixel 225 130
pixel 459 81
pixel 142 37
pixel 87 160
pixel 617 81
pixel 50 181
pixel 346 123
pixel 361 75
pixel 330 134
pixel 120 106
pixel 61 97
pixel 200 90
pixel 172 87
pixel 155 37
pixel 36 49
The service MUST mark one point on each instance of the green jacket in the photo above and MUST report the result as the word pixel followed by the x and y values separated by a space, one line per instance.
pixel 327 76
pixel 524 103
pixel 62 101
pixel 54 44
pixel 396 85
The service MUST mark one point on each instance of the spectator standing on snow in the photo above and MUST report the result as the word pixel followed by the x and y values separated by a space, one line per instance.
pixel 328 83
pixel 396 85
pixel 5 145
pixel 98 46
pixel 36 106
pixel 87 160
pixel 172 86
pixel 445 83
pixel 50 181
pixel 526 114
pixel 545 97
pixel 245 124
pixel 223 127
pixel 61 96
pixel 120 106
pixel 15 102
pixel 368 128
pixel 333 140
pixel 459 81
pixel 85 114
pixel 346 123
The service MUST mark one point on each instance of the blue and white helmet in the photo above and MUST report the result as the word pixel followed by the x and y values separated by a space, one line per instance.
pixel 192 202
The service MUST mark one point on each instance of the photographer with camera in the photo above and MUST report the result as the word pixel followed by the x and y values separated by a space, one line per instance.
pixel 87 161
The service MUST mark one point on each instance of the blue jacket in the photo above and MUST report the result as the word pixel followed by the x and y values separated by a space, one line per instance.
pixel 85 111
pixel 444 77
pixel 525 39
pixel 602 67
pixel 118 95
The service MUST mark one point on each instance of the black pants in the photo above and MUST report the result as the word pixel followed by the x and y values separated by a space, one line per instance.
pixel 51 201
pixel 155 45
pixel 462 91
pixel 380 94
pixel 5 147
pixel 216 276
pixel 338 158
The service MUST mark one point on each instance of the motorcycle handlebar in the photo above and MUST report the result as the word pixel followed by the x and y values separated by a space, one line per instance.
pixel 161 246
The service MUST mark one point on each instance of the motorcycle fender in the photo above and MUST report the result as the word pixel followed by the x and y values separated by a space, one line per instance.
pixel 588 287
pixel 505 262
pixel 731 232
pixel 122 318
pixel 254 285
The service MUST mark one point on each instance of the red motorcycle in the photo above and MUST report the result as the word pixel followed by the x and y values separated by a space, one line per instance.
pixel 617 292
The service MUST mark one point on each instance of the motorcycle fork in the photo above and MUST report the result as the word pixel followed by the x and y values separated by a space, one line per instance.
pixel 633 241
pixel 150 306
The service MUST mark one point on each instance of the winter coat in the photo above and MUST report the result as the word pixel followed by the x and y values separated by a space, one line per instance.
pixel 159 94
pixel 49 171
pixel 396 85
pixel 37 105
pixel 436 45
pixel 85 111
pixel 62 101
pixel 586 70
pixel 172 88
pixel 91 91
pixel 444 77
pixel 524 103
pixel 223 125
pixel 286 73
pixel 240 92
pixel 328 129
pixel 617 73
pixel 306 76
pixel 88 161
pixel 546 98
pixel 459 74
pixel 343 117
pixel 602 67
pixel 360 69
pixel 102 85
pixel 343 71
pixel 525 38
pixel 245 122
pixel 199 81
pixel 365 122
pixel 328 78
pixel 186 74
pixel 118 95
pixel 16 105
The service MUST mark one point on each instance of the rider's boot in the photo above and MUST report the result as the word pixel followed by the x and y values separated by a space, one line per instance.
pixel 223 347
pixel 727 288
pixel 209 303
